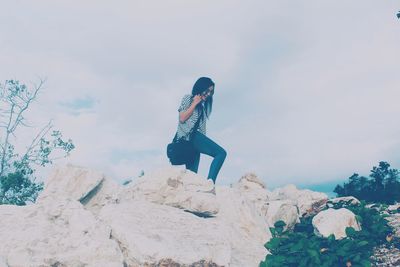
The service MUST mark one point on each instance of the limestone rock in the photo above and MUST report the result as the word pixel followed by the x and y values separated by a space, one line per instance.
pixel 332 221
pixel 174 187
pixel 55 232
pixel 71 181
pixel 282 210
pixel 305 199
pixel 84 219
pixel 107 192
pixel 247 229
pixel 149 233
pixel 254 190
pixel 250 181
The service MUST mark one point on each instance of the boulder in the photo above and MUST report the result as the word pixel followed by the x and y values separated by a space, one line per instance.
pixel 56 232
pixel 251 182
pixel 71 182
pixel 282 210
pixel 305 199
pixel 169 217
pixel 248 231
pixel 334 221
pixel 149 234
pixel 255 191
pixel 107 192
pixel 174 187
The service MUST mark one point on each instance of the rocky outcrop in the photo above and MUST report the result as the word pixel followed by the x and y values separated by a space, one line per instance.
pixel 149 237
pixel 282 210
pixel 303 199
pixel 245 227
pixel 72 182
pixel 176 188
pixel 334 221
pixel 165 218
pixel 56 232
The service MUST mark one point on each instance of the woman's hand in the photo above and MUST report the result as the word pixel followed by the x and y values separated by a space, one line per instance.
pixel 197 99
pixel 184 115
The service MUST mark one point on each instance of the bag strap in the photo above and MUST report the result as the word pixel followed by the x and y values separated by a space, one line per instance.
pixel 194 129
pixel 196 125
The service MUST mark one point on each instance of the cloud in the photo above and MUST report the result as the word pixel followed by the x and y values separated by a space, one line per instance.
pixel 305 91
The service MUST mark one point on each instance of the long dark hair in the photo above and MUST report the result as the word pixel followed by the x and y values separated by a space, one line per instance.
pixel 201 85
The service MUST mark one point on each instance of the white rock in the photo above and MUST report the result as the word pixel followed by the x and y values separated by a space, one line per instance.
pixel 248 230
pixel 282 210
pixel 174 187
pixel 149 234
pixel 71 181
pixel 305 199
pixel 55 232
pixel 272 211
pixel 253 187
pixel 84 219
pixel 250 182
pixel 332 221
pixel 255 190
pixel 107 192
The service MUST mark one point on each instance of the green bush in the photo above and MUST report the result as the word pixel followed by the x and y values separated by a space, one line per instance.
pixel 18 184
pixel 382 185
pixel 18 189
pixel 301 247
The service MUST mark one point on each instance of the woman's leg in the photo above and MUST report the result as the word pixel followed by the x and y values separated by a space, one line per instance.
pixel 194 166
pixel 205 145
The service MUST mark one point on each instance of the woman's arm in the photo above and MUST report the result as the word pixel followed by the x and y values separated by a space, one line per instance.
pixel 184 115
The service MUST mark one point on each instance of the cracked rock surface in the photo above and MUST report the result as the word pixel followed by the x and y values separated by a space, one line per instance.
pixel 164 218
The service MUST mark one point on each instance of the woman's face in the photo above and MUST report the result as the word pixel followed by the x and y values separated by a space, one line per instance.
pixel 208 92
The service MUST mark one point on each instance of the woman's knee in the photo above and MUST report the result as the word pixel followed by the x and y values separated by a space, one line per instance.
pixel 222 153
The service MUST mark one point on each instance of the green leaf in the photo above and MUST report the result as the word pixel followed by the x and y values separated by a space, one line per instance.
pixel 314 255
pixel 273 243
pixel 350 231
pixel 363 243
pixel 273 231
pixel 297 246
pixel 331 238
pixel 279 223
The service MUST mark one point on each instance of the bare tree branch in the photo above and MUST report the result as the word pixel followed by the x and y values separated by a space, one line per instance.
pixel 15 114
pixel 35 142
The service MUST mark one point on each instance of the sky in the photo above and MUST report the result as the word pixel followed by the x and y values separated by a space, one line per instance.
pixel 307 92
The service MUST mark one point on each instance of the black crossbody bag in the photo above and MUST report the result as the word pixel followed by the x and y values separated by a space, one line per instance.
pixel 182 151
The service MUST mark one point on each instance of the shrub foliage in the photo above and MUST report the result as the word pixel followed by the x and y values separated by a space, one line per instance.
pixel 382 185
pixel 301 247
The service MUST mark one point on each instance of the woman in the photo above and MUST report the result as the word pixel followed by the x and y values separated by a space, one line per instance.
pixel 198 106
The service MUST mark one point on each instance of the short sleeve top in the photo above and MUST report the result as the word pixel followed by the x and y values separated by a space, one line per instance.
pixel 184 128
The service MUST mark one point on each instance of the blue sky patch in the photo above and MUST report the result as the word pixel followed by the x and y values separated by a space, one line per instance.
pixel 79 104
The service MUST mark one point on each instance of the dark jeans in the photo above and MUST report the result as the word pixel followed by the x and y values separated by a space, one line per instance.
pixel 205 145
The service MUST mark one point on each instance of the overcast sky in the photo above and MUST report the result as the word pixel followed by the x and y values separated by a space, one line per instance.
pixel 306 91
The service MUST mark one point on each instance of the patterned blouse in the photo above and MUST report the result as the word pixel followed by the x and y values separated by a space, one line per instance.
pixel 184 128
